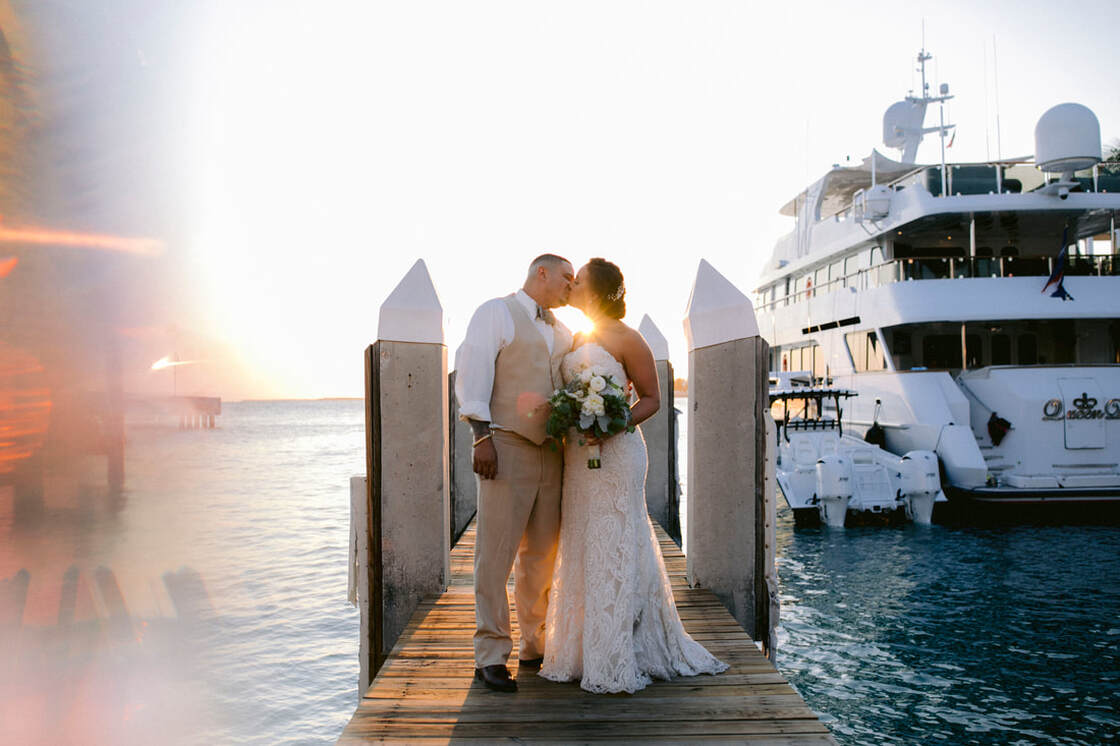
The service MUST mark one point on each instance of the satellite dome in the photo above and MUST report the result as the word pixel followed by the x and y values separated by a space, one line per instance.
pixel 1067 138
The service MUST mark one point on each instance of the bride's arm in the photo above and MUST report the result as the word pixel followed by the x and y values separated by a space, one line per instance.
pixel 638 361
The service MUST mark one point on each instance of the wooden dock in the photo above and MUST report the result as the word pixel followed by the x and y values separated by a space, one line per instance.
pixel 426 688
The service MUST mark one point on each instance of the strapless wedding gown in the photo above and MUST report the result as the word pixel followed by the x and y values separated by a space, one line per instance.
pixel 612 623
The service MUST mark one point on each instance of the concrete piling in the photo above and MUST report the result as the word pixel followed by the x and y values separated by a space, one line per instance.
pixel 464 484
pixel 727 397
pixel 407 465
pixel 660 433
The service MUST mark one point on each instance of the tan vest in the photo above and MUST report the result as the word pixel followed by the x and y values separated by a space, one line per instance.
pixel 525 377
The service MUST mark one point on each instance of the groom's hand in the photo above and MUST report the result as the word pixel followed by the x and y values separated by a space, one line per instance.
pixel 485 460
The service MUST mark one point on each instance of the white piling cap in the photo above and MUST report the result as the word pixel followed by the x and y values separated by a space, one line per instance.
pixel 654 338
pixel 717 311
pixel 412 312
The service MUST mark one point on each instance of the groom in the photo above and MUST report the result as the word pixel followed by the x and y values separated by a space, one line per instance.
pixel 507 367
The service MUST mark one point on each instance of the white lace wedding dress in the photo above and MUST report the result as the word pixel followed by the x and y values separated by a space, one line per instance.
pixel 612 623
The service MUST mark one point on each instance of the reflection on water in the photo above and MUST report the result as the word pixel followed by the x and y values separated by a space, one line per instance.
pixel 958 636
pixel 207 604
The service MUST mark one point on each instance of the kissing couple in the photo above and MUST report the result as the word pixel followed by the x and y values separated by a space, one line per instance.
pixel 594 603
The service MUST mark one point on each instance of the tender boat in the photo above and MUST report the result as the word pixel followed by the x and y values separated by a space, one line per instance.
pixel 832 478
pixel 972 306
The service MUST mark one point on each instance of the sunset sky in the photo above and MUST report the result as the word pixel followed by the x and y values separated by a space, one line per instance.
pixel 335 143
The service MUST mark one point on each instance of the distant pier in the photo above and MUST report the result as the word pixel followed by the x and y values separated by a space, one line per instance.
pixel 191 412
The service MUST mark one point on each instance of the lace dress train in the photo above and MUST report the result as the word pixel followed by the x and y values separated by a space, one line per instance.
pixel 612 622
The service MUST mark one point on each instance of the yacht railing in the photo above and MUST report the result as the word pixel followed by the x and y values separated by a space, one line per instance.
pixel 993 177
pixel 951 268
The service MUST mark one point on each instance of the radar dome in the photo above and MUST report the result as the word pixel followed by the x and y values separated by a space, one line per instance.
pixel 1067 138
pixel 902 119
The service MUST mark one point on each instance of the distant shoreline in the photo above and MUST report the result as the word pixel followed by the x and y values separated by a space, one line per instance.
pixel 285 399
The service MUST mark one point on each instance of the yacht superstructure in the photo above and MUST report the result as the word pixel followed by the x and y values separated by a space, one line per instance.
pixel 974 307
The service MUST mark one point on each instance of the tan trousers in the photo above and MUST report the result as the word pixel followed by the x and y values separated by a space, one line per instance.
pixel 518 519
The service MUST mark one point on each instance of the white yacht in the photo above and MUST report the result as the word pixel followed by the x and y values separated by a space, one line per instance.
pixel 973 307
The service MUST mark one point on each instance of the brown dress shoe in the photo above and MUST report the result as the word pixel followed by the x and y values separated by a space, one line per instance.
pixel 496 677
pixel 530 664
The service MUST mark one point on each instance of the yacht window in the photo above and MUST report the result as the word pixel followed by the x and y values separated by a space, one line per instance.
pixel 941 351
pixel 1028 349
pixel 851 265
pixel 867 353
pixel 986 266
pixel 901 349
pixel 819 365
pixel 875 359
pixel 876 255
pixel 820 277
pixel 1001 349
pixel 973 350
pixel 1064 341
pixel 835 272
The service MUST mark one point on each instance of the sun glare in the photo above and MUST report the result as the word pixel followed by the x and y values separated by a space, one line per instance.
pixel 574 319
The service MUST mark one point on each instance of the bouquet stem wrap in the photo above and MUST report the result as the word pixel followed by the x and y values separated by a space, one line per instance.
pixel 593 461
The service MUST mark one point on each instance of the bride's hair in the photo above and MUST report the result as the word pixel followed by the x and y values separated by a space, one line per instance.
pixel 607 284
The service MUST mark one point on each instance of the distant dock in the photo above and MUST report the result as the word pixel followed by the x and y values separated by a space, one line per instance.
pixel 426 687
pixel 192 412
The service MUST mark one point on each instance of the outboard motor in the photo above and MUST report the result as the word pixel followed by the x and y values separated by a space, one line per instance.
pixel 920 483
pixel 834 489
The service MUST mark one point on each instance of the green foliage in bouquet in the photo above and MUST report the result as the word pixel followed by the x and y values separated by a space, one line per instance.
pixel 593 404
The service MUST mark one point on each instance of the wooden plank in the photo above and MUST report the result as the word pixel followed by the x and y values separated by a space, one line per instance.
pixel 426 689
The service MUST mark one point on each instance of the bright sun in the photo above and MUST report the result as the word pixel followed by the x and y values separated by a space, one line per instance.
pixel 574 319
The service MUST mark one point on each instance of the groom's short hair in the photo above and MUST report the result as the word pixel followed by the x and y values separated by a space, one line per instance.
pixel 547 260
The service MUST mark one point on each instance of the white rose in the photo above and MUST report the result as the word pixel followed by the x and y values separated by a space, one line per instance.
pixel 597 384
pixel 585 375
pixel 600 410
pixel 594 404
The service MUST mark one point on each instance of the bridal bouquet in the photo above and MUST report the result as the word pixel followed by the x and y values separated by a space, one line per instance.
pixel 594 404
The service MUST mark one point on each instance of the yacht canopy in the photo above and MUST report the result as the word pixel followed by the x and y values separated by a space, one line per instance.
pixel 838 185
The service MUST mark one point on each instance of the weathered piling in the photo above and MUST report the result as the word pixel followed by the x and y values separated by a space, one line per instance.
pixel 727 395
pixel 660 433
pixel 407 521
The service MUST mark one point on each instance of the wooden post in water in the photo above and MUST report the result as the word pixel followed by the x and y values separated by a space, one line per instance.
pixel 407 500
pixel 114 420
pixel 464 485
pixel 660 433
pixel 728 390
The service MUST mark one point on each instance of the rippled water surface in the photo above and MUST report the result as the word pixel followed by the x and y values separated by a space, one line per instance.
pixel 959 636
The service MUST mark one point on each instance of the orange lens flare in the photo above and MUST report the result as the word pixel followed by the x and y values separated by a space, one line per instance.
pixel 25 407
pixel 7 265
pixel 146 246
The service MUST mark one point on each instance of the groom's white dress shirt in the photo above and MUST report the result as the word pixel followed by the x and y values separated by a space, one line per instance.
pixel 490 330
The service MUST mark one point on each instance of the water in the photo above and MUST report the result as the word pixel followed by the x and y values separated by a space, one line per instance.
pixel 908 635
pixel 259 507
pixel 958 636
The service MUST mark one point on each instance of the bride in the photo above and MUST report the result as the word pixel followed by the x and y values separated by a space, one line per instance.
pixel 612 623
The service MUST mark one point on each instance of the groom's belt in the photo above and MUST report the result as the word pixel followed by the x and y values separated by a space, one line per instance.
pixel 521 439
